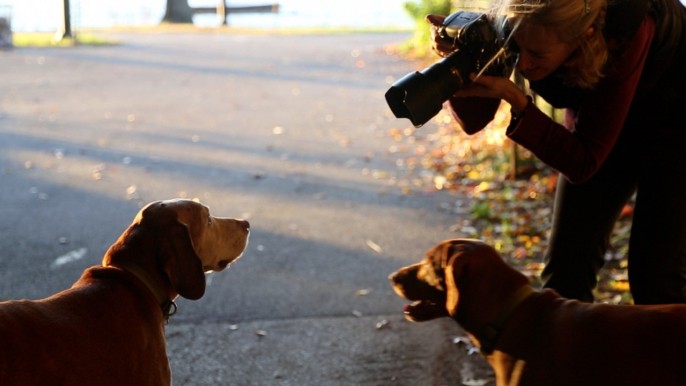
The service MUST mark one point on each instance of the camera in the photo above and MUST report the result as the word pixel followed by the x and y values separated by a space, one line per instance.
pixel 419 96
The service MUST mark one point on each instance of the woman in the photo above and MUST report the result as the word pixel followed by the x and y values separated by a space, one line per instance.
pixel 619 70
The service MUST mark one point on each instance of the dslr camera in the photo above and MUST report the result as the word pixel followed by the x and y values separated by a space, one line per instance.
pixel 419 96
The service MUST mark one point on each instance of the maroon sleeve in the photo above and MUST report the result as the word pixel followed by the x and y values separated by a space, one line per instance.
pixel 578 150
pixel 473 113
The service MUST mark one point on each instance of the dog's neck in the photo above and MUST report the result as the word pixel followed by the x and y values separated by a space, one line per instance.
pixel 123 254
pixel 488 337
pixel 481 306
pixel 166 303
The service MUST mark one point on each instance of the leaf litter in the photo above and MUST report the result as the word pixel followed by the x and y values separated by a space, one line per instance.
pixel 510 211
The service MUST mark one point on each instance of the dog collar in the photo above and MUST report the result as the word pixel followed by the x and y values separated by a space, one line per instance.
pixel 165 303
pixel 491 331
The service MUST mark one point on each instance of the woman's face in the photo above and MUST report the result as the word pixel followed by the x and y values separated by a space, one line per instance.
pixel 540 51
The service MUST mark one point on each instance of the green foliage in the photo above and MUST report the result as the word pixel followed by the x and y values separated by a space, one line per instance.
pixel 418 9
pixel 481 210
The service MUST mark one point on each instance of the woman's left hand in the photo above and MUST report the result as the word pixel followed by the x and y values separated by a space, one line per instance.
pixel 495 87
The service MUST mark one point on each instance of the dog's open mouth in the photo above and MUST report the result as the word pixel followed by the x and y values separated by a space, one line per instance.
pixel 423 310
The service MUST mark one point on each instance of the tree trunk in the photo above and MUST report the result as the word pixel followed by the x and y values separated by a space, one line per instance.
pixel 178 11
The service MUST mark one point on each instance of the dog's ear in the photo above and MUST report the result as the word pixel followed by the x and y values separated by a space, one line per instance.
pixel 181 263
pixel 451 252
pixel 446 252
pixel 452 294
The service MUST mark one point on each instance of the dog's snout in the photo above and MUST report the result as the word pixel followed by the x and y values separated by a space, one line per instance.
pixel 392 276
pixel 244 224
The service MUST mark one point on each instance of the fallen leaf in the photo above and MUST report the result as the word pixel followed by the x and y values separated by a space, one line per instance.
pixel 374 246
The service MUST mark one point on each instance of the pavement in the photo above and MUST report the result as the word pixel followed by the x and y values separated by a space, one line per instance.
pixel 288 131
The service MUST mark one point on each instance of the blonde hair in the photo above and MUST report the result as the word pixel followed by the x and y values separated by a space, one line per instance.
pixel 570 19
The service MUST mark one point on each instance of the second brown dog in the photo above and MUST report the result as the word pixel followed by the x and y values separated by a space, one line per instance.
pixel 539 338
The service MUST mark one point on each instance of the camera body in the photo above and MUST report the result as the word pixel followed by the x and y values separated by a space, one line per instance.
pixel 419 96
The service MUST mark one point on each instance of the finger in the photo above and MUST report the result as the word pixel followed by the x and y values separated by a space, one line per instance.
pixel 442 48
pixel 434 35
pixel 470 91
pixel 465 92
pixel 444 45
pixel 483 80
pixel 435 20
pixel 433 31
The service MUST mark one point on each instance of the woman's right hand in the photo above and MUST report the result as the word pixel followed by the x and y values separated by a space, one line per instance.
pixel 439 45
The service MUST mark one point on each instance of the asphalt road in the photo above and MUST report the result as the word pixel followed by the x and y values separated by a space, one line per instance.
pixel 286 131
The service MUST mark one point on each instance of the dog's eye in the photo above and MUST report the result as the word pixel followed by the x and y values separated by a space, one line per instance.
pixel 209 221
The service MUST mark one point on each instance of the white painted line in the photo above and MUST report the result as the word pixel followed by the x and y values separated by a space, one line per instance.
pixel 70 257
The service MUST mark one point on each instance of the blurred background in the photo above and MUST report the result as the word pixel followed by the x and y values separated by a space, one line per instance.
pixel 288 130
pixel 42 15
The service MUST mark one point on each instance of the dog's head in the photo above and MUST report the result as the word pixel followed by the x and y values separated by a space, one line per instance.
pixel 424 283
pixel 185 240
pixel 434 284
pixel 216 241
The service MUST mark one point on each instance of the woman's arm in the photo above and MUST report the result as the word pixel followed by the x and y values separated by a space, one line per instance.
pixel 578 150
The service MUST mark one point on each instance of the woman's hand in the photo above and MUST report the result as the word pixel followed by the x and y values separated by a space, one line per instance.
pixel 483 86
pixel 495 87
pixel 441 46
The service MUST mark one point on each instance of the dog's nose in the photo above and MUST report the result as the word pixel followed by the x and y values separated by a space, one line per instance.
pixel 392 276
pixel 244 224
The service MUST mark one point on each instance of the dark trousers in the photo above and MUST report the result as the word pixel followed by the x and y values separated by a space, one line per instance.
pixel 585 214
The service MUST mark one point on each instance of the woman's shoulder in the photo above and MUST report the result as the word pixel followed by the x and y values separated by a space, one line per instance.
pixel 622 21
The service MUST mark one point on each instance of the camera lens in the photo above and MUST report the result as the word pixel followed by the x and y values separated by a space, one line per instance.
pixel 419 96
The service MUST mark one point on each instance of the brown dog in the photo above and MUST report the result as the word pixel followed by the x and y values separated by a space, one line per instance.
pixel 108 329
pixel 539 338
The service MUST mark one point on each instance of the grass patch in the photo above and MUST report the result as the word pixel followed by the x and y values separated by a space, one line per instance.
pixel 47 39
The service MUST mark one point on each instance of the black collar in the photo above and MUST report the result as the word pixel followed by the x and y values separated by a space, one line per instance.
pixel 167 305
pixel 491 332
